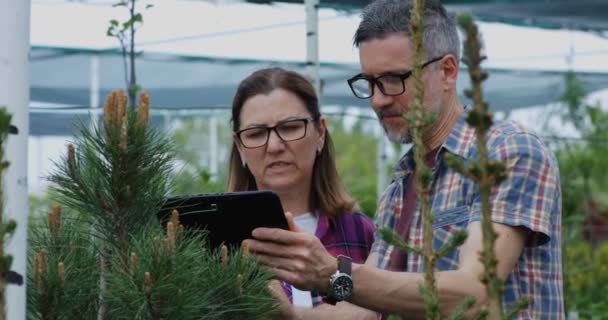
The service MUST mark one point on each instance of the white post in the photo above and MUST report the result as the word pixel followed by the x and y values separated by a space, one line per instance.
pixel 312 44
pixel 213 147
pixel 14 81
pixel 94 89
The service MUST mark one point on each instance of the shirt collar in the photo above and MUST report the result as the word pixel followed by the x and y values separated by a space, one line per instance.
pixel 461 137
pixel 458 142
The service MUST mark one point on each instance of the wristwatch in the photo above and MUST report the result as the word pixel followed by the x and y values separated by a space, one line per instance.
pixel 341 282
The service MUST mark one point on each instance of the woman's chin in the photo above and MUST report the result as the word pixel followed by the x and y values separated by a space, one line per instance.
pixel 280 185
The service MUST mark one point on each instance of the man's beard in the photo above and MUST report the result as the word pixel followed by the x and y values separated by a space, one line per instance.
pixel 403 136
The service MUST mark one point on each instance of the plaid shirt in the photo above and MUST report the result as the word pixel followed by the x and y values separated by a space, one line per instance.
pixel 345 234
pixel 530 197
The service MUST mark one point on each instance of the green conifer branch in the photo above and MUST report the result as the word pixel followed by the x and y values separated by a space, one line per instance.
pixel 62 269
pixel 456 241
pixel 461 309
pixel 481 119
pixel 516 308
pixel 6 228
pixel 115 180
pixel 418 121
pixel 395 239
pixel 486 173
pixel 481 314
pixel 116 174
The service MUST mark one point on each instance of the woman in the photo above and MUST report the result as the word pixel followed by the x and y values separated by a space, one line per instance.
pixel 281 143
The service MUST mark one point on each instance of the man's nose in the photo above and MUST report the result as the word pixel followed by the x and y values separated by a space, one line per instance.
pixel 380 100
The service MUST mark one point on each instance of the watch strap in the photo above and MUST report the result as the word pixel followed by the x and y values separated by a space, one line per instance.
pixel 345 264
pixel 329 300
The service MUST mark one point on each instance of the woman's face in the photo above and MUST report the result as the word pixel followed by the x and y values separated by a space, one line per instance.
pixel 281 166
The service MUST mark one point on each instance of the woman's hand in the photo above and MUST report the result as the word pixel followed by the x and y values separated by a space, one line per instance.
pixel 298 258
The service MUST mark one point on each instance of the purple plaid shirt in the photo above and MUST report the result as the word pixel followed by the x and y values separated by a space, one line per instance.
pixel 348 234
pixel 530 197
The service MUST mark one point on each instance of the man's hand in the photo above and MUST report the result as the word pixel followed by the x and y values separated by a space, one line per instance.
pixel 286 310
pixel 295 257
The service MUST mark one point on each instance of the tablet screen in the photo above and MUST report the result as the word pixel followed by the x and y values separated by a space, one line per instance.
pixel 229 218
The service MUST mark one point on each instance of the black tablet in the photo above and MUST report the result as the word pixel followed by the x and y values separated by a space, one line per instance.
pixel 229 218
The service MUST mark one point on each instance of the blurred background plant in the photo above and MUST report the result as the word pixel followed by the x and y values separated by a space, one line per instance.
pixel 584 179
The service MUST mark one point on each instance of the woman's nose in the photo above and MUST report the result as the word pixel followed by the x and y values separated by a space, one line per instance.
pixel 274 141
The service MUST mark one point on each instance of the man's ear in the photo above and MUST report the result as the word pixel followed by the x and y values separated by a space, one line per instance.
pixel 449 71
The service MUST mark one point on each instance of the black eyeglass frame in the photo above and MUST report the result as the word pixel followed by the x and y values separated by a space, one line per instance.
pixel 375 82
pixel 274 128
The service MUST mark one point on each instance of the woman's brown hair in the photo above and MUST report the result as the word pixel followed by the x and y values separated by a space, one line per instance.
pixel 328 193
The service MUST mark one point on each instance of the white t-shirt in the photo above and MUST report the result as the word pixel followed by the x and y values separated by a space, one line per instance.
pixel 306 222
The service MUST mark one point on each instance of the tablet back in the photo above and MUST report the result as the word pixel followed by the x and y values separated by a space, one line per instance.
pixel 229 218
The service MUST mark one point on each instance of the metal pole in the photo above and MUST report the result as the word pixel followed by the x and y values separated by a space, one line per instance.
pixel 94 90
pixel 312 44
pixel 14 81
pixel 213 147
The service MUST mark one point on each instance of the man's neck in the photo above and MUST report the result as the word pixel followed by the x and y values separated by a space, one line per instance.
pixel 438 132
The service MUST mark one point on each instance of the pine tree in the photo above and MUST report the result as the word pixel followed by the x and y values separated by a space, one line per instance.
pixel 108 257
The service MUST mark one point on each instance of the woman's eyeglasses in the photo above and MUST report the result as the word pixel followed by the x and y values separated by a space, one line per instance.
pixel 289 130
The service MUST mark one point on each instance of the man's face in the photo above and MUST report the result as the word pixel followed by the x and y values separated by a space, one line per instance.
pixel 390 55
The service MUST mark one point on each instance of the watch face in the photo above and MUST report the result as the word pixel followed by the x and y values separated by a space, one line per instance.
pixel 342 287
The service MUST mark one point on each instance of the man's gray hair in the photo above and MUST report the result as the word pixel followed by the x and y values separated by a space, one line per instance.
pixel 384 17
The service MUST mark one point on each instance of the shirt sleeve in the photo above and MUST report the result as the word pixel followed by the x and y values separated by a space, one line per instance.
pixel 529 196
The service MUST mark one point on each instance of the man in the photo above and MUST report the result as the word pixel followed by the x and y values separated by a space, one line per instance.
pixel 526 206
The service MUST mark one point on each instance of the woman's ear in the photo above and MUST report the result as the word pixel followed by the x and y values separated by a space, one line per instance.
pixel 322 131
pixel 239 148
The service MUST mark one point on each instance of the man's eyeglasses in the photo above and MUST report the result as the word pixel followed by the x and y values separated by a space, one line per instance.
pixel 289 130
pixel 391 84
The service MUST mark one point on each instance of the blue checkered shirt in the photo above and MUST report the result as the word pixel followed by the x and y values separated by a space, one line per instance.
pixel 530 197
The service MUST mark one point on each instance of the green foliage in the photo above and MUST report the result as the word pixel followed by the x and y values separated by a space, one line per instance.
pixel 73 292
pixel 584 183
pixel 356 161
pixel 584 173
pixel 586 279
pixel 110 259
pixel 116 186
pixel 186 281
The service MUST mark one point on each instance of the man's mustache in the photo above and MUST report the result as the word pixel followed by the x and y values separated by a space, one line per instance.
pixel 388 113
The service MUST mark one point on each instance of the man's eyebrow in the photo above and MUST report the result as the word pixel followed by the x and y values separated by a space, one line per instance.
pixel 387 73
